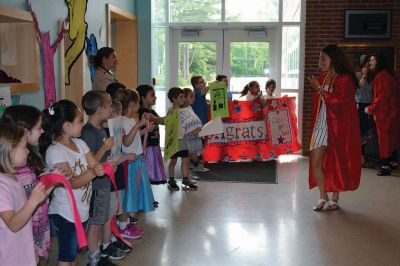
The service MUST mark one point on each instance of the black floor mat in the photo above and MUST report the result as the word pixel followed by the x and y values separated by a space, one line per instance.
pixel 253 172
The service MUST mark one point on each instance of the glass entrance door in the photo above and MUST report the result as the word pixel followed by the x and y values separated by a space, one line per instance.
pixel 242 55
pixel 249 55
pixel 194 52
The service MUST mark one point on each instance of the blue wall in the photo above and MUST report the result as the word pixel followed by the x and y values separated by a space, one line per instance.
pixel 50 12
pixel 143 15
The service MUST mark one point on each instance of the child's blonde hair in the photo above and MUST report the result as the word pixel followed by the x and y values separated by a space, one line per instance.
pixel 116 107
pixel 10 136
pixel 125 96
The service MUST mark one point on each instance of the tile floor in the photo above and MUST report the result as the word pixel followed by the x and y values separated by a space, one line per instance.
pixel 270 224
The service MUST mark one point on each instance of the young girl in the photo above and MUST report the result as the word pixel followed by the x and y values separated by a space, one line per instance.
pixel 127 230
pixel 30 118
pixel 60 146
pixel 17 246
pixel 270 87
pixel 154 160
pixel 252 91
pixel 138 193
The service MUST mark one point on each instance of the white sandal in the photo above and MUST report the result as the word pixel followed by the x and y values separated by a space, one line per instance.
pixel 321 203
pixel 332 203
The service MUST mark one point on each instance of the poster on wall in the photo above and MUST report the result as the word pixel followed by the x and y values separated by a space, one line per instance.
pixel 5 99
pixel 115 127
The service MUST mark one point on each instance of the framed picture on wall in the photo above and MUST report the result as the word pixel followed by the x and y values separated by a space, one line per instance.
pixel 367 23
pixel 354 52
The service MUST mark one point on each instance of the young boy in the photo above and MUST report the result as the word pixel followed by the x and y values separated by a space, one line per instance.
pixel 177 97
pixel 200 108
pixel 195 143
pixel 97 105
pixel 200 105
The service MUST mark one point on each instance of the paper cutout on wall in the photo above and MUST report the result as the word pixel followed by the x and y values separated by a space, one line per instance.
pixel 77 34
pixel 5 99
pixel 91 51
pixel 48 51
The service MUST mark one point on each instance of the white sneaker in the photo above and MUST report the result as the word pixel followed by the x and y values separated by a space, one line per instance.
pixel 200 168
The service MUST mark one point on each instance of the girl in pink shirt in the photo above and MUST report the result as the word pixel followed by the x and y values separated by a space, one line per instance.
pixel 30 118
pixel 15 209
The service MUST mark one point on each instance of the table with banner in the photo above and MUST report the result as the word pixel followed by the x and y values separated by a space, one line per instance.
pixel 255 130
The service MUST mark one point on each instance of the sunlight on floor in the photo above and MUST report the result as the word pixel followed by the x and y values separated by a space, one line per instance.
pixel 289 158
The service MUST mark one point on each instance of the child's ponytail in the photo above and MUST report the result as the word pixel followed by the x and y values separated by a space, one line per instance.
pixel 54 118
pixel 245 90
pixel 46 138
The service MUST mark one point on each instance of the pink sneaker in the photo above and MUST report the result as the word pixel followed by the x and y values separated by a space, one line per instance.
pixel 136 230
pixel 130 232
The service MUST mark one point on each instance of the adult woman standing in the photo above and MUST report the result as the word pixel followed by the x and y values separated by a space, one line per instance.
pixel 385 109
pixel 335 161
pixel 105 62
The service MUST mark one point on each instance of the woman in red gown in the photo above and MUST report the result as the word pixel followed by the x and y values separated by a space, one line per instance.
pixel 385 108
pixel 335 161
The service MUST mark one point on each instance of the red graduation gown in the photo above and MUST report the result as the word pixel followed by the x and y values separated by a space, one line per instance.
pixel 342 163
pixel 386 111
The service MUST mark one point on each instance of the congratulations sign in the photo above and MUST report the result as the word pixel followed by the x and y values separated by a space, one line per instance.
pixel 241 131
pixel 255 130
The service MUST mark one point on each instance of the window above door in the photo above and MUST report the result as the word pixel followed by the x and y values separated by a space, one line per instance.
pixel 200 11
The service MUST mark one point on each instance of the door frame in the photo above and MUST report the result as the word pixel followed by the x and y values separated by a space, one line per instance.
pixel 125 44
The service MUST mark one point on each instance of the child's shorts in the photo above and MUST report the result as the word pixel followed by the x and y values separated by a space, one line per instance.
pixel 195 144
pixel 67 238
pixel 182 154
pixel 183 149
pixel 99 212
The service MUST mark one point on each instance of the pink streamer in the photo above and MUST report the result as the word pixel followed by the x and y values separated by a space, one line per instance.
pixel 51 180
pixel 109 170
